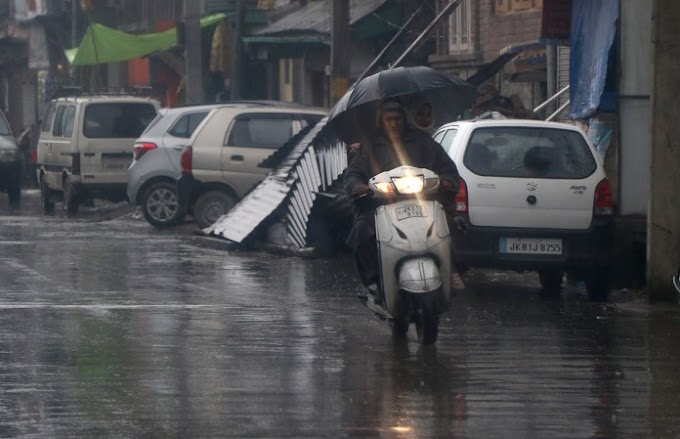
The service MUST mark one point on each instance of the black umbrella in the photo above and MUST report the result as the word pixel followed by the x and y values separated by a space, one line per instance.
pixel 354 117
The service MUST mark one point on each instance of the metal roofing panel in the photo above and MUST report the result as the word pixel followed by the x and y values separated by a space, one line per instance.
pixel 237 224
pixel 316 17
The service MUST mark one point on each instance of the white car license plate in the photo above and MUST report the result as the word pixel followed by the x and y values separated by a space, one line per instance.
pixel 116 163
pixel 410 211
pixel 531 246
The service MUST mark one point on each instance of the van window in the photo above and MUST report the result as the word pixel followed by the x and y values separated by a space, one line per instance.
pixel 59 121
pixel 529 152
pixel 117 120
pixel 186 125
pixel 261 131
pixel 69 119
pixel 49 116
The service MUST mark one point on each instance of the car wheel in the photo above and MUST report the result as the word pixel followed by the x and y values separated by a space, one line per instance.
pixel 160 205
pixel 551 281
pixel 71 197
pixel 46 197
pixel 210 206
pixel 597 284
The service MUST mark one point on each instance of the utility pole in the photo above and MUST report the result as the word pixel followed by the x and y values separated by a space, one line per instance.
pixel 193 54
pixel 74 36
pixel 340 67
pixel 237 50
pixel 663 218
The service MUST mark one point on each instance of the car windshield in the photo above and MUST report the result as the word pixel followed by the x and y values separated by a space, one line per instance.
pixel 4 127
pixel 529 152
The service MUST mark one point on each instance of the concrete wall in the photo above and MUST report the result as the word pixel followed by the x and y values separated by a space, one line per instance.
pixel 663 228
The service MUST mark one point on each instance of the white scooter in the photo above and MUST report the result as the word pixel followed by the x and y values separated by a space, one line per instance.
pixel 414 248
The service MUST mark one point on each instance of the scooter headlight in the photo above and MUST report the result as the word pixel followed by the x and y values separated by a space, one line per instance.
pixel 409 185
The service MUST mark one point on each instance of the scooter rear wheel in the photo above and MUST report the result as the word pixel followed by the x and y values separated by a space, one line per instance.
pixel 426 318
pixel 400 325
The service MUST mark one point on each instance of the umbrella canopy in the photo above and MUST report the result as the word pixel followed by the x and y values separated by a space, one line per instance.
pixel 354 117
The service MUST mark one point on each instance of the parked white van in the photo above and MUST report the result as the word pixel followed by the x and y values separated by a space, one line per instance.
pixel 85 147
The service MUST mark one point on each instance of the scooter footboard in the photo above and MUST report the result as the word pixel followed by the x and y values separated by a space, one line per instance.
pixel 419 275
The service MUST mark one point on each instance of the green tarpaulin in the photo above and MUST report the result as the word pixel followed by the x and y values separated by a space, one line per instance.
pixel 102 44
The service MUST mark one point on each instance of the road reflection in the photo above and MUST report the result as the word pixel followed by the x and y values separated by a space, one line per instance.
pixel 116 330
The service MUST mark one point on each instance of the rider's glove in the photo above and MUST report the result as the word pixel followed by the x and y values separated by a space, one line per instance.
pixel 360 189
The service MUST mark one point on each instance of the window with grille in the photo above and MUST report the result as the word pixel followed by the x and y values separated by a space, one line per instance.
pixel 460 28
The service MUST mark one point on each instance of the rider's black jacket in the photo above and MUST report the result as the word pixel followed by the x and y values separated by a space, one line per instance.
pixel 418 149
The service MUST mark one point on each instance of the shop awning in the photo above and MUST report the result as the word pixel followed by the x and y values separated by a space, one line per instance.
pixel 289 39
pixel 312 25
pixel 102 44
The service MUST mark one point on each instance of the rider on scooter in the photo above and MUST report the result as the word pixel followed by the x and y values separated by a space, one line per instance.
pixel 397 144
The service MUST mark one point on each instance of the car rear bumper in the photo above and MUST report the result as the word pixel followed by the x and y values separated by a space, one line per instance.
pixel 581 249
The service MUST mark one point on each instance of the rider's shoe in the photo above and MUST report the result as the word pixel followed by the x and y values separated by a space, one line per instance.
pixel 376 293
pixel 371 290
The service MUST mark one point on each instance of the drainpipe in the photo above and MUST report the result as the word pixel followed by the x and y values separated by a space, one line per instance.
pixel 551 68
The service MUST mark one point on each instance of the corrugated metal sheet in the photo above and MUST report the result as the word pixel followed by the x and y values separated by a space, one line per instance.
pixel 312 165
pixel 316 17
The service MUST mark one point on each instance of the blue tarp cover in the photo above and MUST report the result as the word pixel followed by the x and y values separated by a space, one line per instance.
pixel 593 27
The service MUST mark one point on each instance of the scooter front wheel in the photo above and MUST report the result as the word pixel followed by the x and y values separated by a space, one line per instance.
pixel 426 318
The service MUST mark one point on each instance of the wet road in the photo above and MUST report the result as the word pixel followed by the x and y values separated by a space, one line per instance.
pixel 113 329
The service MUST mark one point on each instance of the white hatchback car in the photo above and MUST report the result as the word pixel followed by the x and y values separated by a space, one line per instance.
pixel 534 196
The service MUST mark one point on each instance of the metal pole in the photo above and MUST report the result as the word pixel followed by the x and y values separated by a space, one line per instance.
pixel 74 24
pixel 551 67
pixel 193 55
pixel 339 49
pixel 237 50
pixel 387 47
pixel 444 13
pixel 551 99
pixel 558 111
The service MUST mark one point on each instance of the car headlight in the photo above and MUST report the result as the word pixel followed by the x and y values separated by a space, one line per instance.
pixel 409 185
pixel 8 155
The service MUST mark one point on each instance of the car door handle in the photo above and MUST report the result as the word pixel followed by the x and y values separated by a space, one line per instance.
pixel 88 154
pixel 237 158
pixel 178 148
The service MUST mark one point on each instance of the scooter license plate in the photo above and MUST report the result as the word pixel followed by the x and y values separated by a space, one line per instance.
pixel 410 211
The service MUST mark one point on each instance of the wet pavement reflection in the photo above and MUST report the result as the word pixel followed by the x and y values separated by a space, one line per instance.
pixel 113 329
